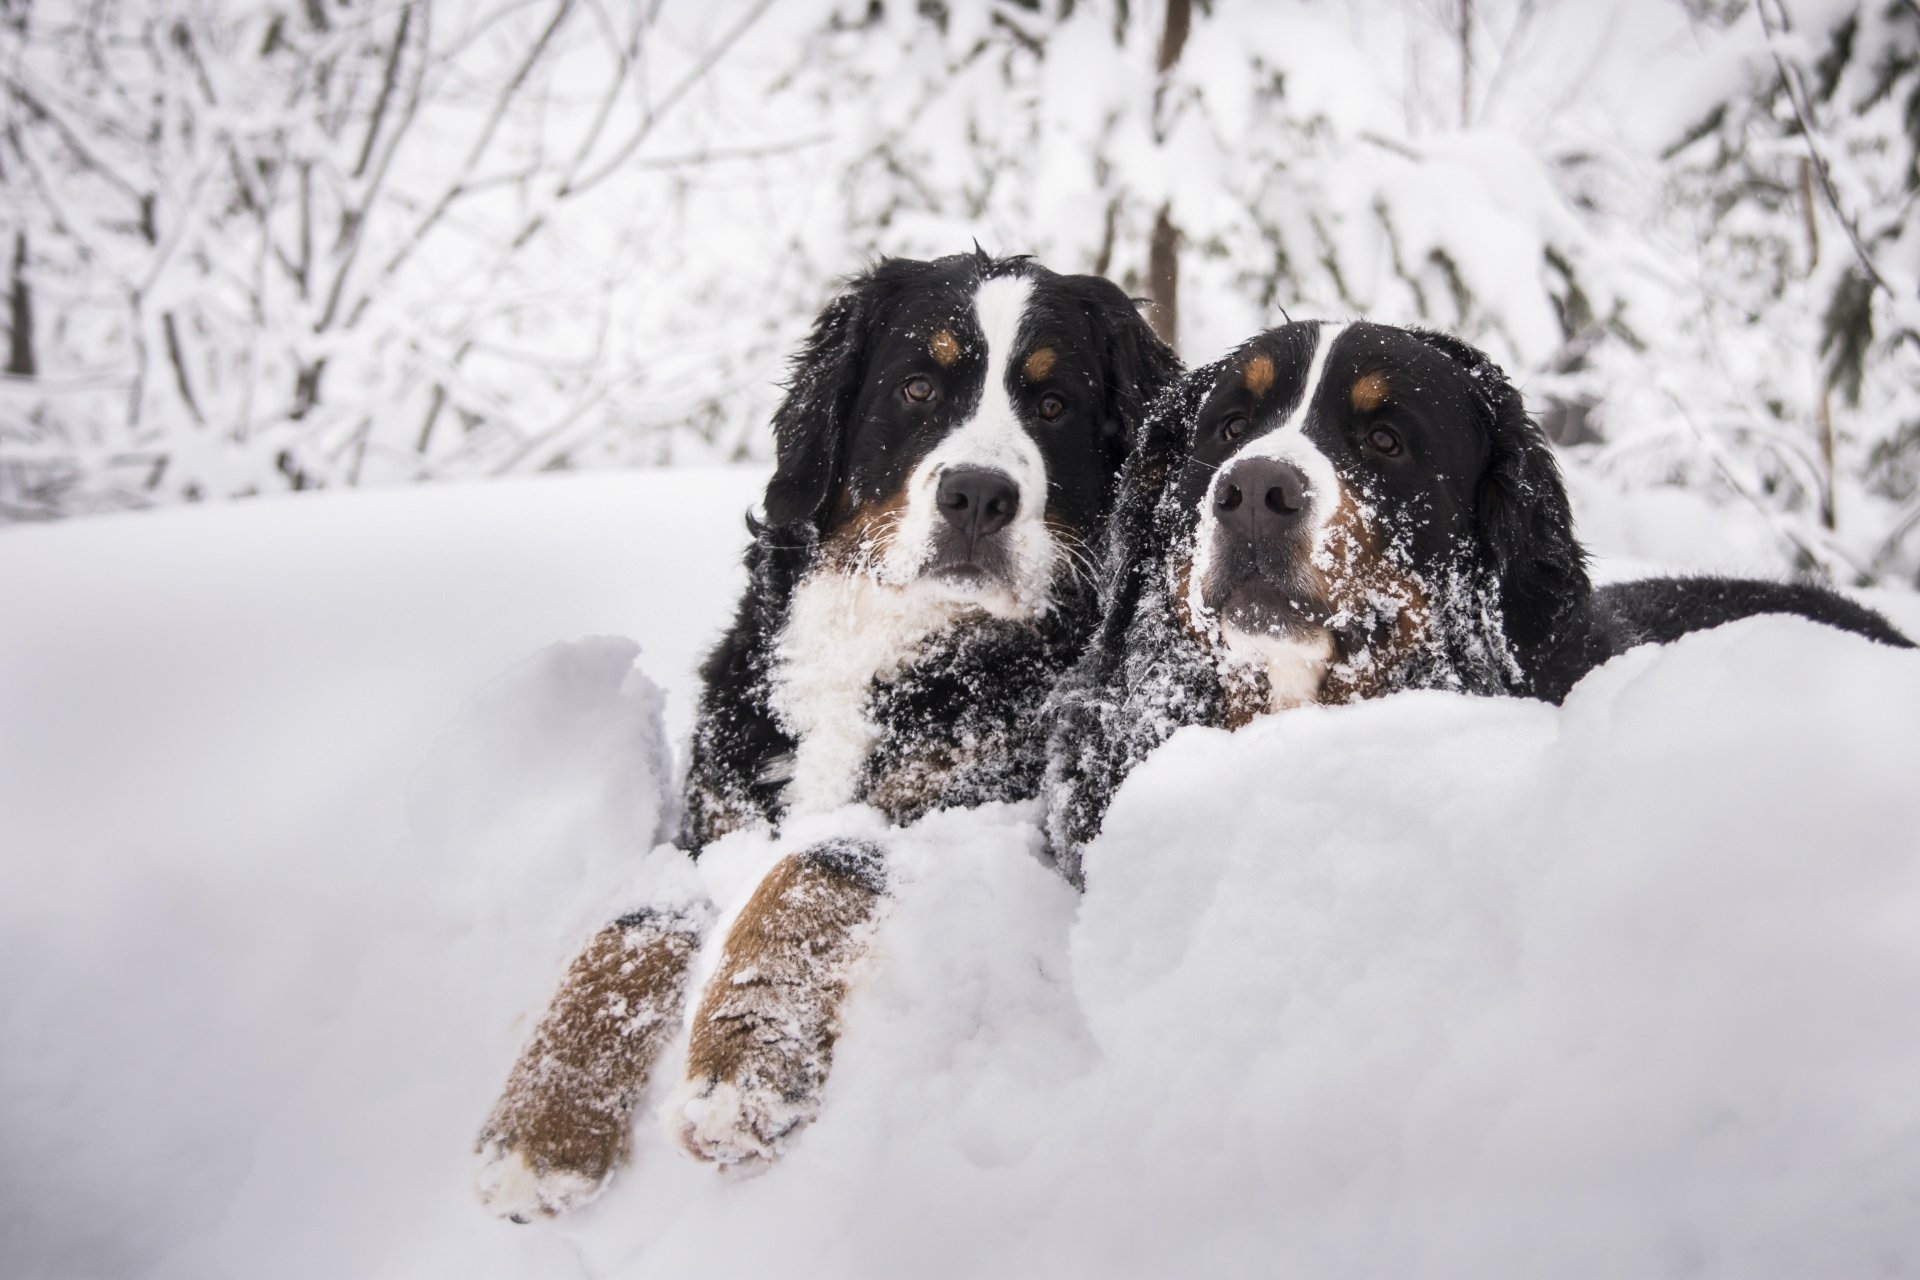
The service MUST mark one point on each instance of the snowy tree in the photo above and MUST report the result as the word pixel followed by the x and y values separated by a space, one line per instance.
pixel 268 245
pixel 1800 173
pixel 276 245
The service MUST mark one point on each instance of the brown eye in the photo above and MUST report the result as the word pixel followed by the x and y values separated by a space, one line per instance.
pixel 1385 441
pixel 1234 427
pixel 1051 407
pixel 918 388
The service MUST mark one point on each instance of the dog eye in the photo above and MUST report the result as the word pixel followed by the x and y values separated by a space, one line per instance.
pixel 1052 406
pixel 919 388
pixel 1385 441
pixel 1233 427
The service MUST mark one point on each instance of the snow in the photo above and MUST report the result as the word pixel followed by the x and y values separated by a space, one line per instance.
pixel 308 800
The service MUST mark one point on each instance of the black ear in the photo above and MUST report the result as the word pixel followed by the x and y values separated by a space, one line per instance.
pixel 1131 687
pixel 1141 530
pixel 810 427
pixel 1139 366
pixel 1526 523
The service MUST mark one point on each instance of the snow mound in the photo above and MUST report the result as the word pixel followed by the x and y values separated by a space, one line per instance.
pixel 1488 987
pixel 1425 986
pixel 551 777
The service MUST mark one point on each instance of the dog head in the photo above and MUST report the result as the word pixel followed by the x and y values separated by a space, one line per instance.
pixel 956 425
pixel 1360 507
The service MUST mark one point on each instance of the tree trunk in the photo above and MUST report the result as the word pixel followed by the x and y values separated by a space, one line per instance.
pixel 20 361
pixel 1163 278
pixel 1163 251
pixel 1829 516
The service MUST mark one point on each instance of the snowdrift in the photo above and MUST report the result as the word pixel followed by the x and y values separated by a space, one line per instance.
pixel 1433 985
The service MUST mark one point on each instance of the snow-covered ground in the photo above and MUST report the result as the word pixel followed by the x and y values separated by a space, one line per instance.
pixel 303 803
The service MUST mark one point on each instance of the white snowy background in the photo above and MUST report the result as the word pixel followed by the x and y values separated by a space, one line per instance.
pixel 306 799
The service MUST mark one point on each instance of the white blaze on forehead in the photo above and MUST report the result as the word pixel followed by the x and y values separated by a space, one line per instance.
pixel 995 438
pixel 1296 423
pixel 1288 442
pixel 1295 666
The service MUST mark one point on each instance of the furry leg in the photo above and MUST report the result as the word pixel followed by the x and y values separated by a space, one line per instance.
pixel 763 1036
pixel 560 1127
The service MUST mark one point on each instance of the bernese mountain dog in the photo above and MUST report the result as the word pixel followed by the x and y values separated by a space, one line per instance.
pixel 923 572
pixel 1334 512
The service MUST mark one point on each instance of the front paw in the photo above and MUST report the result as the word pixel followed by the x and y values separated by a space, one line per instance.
pixel 559 1129
pixel 514 1184
pixel 732 1124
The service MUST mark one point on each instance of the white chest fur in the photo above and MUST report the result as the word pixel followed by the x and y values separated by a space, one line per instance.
pixel 845 630
pixel 1295 665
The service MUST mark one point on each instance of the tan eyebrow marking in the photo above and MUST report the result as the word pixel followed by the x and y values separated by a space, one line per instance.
pixel 945 348
pixel 1370 392
pixel 1259 374
pixel 1039 364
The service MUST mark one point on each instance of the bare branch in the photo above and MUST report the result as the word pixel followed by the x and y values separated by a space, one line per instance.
pixel 389 77
pixel 667 102
pixel 70 134
pixel 171 332
pixel 479 148
pixel 353 221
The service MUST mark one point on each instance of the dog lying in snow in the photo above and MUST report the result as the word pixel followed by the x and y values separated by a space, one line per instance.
pixel 1335 512
pixel 947 452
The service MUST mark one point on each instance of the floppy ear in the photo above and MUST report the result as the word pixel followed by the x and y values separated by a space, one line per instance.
pixel 810 427
pixel 1526 524
pixel 1139 365
pixel 1141 531
pixel 1128 691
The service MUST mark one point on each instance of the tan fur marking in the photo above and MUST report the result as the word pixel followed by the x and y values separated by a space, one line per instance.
pixel 914 788
pixel 1258 374
pixel 566 1102
pixel 944 347
pixel 1361 575
pixel 771 1012
pixel 865 535
pixel 1369 392
pixel 1039 364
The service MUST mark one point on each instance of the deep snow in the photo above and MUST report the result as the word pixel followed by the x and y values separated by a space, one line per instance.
pixel 306 801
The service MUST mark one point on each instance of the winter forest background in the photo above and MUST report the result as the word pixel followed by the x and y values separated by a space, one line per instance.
pixel 255 246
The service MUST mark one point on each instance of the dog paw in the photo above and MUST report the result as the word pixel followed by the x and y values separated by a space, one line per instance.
pixel 514 1187
pixel 733 1125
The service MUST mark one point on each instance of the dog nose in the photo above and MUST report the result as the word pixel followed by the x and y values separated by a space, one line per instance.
pixel 977 501
pixel 1261 498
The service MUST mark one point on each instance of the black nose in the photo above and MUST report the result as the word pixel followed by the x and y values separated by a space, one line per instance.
pixel 978 502
pixel 1261 498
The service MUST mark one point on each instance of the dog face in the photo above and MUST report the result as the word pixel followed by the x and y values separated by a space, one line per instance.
pixel 955 425
pixel 1353 492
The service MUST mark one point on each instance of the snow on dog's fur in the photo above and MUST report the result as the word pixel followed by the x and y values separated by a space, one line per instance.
pixel 1339 511
pixel 919 579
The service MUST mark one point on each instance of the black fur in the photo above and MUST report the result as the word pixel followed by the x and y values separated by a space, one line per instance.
pixel 957 725
pixel 1475 501
pixel 862 862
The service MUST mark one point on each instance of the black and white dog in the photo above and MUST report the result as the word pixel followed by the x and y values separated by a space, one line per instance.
pixel 1335 512
pixel 947 456
pixel 922 574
